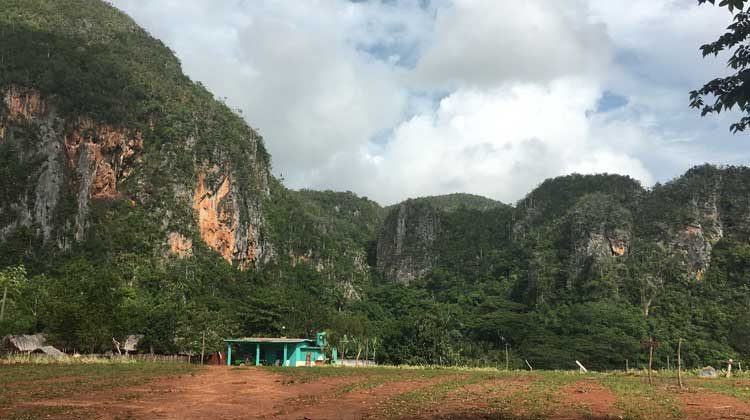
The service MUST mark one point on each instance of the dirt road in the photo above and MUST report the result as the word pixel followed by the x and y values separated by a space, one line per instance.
pixel 222 393
pixel 260 393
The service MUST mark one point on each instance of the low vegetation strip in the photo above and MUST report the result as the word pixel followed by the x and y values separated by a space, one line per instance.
pixel 637 399
pixel 23 383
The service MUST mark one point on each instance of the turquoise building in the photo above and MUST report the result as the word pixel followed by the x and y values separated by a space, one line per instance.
pixel 276 351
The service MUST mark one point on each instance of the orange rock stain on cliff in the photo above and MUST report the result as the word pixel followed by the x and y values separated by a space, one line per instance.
pixel 693 229
pixel 618 247
pixel 180 245
pixel 216 226
pixel 111 149
pixel 22 104
pixel 25 103
pixel 218 222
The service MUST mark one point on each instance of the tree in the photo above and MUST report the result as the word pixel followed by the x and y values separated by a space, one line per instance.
pixel 80 312
pixel 733 90
pixel 203 329
pixel 12 279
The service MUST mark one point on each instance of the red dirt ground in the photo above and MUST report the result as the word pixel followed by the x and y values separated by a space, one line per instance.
pixel 222 393
pixel 596 401
pixel 216 393
pixel 356 405
pixel 703 404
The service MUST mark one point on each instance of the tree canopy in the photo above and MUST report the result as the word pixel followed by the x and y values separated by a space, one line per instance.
pixel 731 91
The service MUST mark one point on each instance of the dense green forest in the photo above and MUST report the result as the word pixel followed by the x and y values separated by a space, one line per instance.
pixel 583 268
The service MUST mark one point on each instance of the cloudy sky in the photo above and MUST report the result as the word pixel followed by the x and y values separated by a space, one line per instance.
pixel 396 99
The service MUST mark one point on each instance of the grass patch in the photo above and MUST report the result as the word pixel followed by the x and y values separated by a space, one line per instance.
pixel 414 402
pixel 432 398
pixel 33 382
pixel 538 397
pixel 733 387
pixel 639 400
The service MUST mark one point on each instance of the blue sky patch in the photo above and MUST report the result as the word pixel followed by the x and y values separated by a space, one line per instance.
pixel 611 100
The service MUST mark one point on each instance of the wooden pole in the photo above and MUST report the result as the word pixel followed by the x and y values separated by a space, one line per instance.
pixel 650 361
pixel 667 362
pixel 627 368
pixel 527 364
pixel 679 363
pixel 729 368
pixel 507 359
pixel 203 346
pixel 2 308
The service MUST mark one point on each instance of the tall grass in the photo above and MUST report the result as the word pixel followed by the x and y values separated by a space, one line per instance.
pixel 41 359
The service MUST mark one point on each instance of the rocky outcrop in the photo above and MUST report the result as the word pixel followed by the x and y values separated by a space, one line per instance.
pixel 30 127
pixel 692 222
pixel 81 160
pixel 220 223
pixel 93 157
pixel 406 243
pixel 21 103
pixel 100 157
pixel 601 231
pixel 179 245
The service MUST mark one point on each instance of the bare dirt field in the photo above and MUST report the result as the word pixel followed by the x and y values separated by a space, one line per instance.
pixel 161 391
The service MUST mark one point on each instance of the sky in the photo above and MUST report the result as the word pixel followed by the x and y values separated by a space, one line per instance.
pixel 395 99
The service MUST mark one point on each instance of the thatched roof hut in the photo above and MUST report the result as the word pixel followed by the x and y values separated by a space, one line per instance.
pixel 49 351
pixel 23 343
pixel 29 344
pixel 131 342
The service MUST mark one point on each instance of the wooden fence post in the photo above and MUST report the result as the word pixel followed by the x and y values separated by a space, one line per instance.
pixel 729 368
pixel 651 344
pixel 679 362
pixel 650 360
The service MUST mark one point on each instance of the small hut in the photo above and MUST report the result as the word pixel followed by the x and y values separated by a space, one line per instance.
pixel 29 344
pixel 23 343
pixel 49 351
pixel 131 343
pixel 128 345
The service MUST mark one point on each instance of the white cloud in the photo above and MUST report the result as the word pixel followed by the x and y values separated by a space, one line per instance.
pixel 483 42
pixel 499 142
pixel 346 94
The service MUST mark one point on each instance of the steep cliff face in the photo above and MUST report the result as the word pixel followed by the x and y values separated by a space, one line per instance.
pixel 96 113
pixel 578 231
pixel 406 243
pixel 99 157
pixel 691 214
pixel 218 209
pixel 85 161
pixel 77 156
pixel 600 231
pixel 30 128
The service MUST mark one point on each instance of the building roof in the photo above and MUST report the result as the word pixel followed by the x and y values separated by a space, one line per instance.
pixel 268 340
pixel 26 342
pixel 131 342
pixel 50 351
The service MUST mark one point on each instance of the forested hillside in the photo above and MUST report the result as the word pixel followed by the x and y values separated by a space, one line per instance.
pixel 133 202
